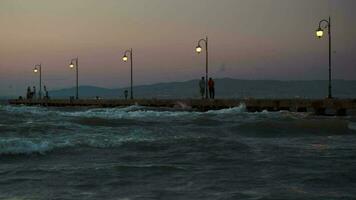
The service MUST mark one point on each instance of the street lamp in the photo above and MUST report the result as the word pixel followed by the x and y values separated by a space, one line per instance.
pixel 199 49
pixel 38 69
pixel 125 58
pixel 74 63
pixel 320 33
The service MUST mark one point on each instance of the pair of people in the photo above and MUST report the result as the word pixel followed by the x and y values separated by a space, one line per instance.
pixel 211 87
pixel 31 94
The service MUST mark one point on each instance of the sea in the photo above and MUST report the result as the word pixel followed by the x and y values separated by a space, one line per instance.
pixel 156 153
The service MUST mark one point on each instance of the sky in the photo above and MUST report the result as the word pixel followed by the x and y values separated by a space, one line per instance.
pixel 248 39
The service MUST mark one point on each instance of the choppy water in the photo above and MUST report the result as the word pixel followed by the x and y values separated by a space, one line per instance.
pixel 146 153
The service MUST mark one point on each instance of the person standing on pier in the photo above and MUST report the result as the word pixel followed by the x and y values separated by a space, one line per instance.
pixel 126 93
pixel 28 94
pixel 202 87
pixel 34 92
pixel 46 92
pixel 211 85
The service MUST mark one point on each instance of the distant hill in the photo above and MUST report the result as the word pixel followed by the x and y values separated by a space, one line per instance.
pixel 84 91
pixel 225 88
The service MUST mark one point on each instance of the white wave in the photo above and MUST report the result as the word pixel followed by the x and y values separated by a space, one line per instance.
pixel 138 112
pixel 29 146
pixel 24 109
pixel 127 113
pixel 130 108
pixel 23 146
pixel 142 112
pixel 41 145
pixel 234 110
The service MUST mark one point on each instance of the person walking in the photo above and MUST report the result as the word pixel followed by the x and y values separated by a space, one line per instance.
pixel 211 85
pixel 202 87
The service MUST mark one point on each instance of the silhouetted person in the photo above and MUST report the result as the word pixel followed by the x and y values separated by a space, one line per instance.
pixel 34 92
pixel 126 93
pixel 46 92
pixel 202 87
pixel 28 93
pixel 211 85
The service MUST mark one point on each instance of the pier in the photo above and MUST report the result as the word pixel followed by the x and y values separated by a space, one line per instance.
pixel 339 107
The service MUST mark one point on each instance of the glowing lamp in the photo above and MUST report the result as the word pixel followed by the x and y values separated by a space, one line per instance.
pixel 198 49
pixel 124 58
pixel 319 33
pixel 71 65
pixel 35 70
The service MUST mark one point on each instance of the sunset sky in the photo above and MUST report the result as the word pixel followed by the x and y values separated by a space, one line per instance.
pixel 249 39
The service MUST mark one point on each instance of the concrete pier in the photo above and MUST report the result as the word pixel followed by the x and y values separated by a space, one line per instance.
pixel 340 107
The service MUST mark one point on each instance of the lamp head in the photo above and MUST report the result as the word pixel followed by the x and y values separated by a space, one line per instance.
pixel 71 65
pixel 198 49
pixel 35 70
pixel 319 32
pixel 125 58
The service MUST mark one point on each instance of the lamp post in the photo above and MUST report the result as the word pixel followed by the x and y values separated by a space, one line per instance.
pixel 319 34
pixel 38 69
pixel 199 49
pixel 125 58
pixel 74 63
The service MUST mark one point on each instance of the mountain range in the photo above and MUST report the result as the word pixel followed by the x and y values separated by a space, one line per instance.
pixel 224 88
